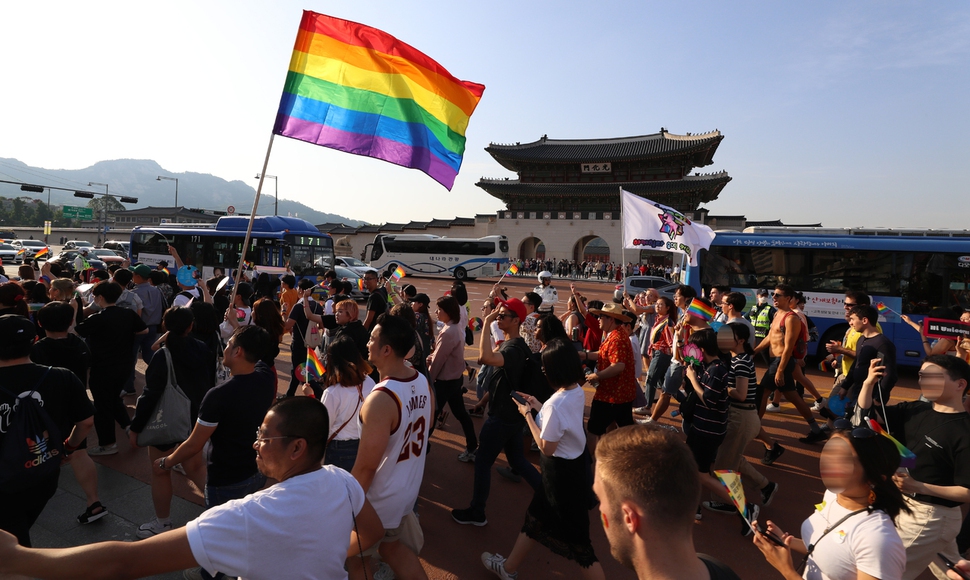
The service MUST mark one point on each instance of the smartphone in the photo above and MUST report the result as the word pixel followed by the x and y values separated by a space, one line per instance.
pixel 518 398
pixel 951 566
pixel 774 539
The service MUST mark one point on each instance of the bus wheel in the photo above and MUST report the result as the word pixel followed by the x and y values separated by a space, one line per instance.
pixel 390 269
pixel 461 274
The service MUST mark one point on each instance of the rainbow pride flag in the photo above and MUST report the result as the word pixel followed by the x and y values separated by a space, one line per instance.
pixel 360 90
pixel 883 309
pixel 42 253
pixel 907 458
pixel 701 310
pixel 513 270
pixel 398 273
pixel 360 284
pixel 314 368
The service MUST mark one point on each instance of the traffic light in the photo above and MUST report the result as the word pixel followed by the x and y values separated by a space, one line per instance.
pixel 84 194
pixel 32 188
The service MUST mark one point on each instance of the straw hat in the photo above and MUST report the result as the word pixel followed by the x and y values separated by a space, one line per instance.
pixel 613 310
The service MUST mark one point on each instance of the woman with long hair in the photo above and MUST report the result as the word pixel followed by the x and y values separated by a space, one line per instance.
pixel 851 534
pixel 549 328
pixel 347 385
pixel 660 349
pixel 573 322
pixel 194 366
pixel 13 300
pixel 422 317
pixel 557 517
pixel 446 365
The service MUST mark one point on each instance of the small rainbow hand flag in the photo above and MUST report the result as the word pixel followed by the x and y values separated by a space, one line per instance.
pixel 167 273
pixel 907 458
pixel 701 310
pixel 513 270
pixel 360 284
pixel 314 368
pixel 42 253
pixel 883 309
pixel 398 273
pixel 21 251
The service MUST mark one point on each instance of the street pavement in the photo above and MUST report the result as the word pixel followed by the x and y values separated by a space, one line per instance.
pixel 451 550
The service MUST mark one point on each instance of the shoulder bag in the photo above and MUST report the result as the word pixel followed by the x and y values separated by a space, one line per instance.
pixel 171 420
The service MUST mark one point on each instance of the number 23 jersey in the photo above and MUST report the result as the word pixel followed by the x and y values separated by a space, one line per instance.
pixel 399 474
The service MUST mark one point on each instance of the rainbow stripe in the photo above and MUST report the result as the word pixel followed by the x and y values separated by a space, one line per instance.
pixel 883 309
pixel 701 310
pixel 314 368
pixel 398 273
pixel 42 253
pixel 360 90
pixel 513 270
pixel 907 458
pixel 360 284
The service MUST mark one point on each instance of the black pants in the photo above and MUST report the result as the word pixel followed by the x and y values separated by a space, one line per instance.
pixel 108 406
pixel 450 392
pixel 17 517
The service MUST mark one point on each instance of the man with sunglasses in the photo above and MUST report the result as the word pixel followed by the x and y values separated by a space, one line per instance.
pixel 252 537
pixel 785 336
pixel 847 348
pixel 937 431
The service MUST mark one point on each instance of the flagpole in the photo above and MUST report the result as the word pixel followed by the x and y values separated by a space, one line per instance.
pixel 622 238
pixel 252 218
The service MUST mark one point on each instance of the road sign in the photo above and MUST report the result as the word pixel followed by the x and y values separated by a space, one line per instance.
pixel 231 209
pixel 74 212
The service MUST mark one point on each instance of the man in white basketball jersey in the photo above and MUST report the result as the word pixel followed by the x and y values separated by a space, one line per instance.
pixel 395 423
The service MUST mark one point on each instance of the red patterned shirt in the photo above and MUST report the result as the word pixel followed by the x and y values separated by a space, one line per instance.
pixel 617 349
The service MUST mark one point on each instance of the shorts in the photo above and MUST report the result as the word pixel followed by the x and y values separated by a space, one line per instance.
pixel 603 414
pixel 674 378
pixel 389 536
pixel 703 446
pixel 769 379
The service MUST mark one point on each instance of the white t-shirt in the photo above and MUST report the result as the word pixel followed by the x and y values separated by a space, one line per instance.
pixel 751 338
pixel 561 419
pixel 865 543
pixel 182 300
pixel 637 359
pixel 226 329
pixel 344 403
pixel 277 532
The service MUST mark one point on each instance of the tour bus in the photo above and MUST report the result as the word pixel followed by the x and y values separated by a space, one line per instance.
pixel 428 255
pixel 215 249
pixel 910 271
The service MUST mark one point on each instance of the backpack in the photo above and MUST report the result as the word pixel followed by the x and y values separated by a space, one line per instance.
pixel 33 445
pixel 187 294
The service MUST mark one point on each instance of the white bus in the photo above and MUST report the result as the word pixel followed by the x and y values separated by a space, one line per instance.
pixel 428 255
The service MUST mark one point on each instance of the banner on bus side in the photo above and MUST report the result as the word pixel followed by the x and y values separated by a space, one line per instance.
pixel 942 328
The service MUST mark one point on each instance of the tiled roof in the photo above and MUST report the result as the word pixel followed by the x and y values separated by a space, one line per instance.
pixel 661 144
pixel 505 189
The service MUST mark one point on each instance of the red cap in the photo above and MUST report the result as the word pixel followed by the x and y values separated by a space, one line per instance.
pixel 515 305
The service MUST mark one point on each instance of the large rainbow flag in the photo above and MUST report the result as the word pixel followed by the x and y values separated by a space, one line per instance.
pixel 360 90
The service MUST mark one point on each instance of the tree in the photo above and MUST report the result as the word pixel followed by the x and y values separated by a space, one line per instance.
pixel 112 204
pixel 21 213
pixel 41 214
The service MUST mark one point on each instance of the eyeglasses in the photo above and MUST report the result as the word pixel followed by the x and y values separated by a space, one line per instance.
pixel 856 432
pixel 849 304
pixel 260 438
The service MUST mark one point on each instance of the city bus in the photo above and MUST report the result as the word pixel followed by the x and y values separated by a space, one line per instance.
pixel 215 249
pixel 910 271
pixel 429 255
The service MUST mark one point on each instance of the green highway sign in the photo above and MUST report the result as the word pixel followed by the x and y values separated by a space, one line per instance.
pixel 74 212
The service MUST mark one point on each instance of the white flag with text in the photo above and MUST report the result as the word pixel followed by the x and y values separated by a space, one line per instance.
pixel 648 225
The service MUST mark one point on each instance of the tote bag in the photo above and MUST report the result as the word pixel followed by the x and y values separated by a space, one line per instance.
pixel 171 420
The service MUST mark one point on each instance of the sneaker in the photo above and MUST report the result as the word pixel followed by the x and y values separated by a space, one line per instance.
pixel 751 513
pixel 819 405
pixel 814 437
pixel 773 408
pixel 178 468
pixel 152 528
pixel 772 455
pixel 644 421
pixel 90 515
pixel 641 411
pixel 768 493
pixel 508 474
pixel 103 450
pixel 466 456
pixel 192 574
pixel 469 516
pixel 384 572
pixel 495 563
pixel 719 506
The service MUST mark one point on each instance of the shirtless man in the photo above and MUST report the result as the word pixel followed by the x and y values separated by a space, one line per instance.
pixel 785 336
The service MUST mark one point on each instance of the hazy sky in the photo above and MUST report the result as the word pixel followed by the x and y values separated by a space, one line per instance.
pixel 848 113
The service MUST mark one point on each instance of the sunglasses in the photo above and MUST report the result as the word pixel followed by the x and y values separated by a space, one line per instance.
pixel 855 432
pixel 849 304
pixel 776 296
pixel 504 315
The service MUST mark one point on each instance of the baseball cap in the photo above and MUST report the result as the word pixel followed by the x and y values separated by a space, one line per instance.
pixel 515 305
pixel 16 330
pixel 141 270
pixel 422 298
pixel 245 291
pixel 761 292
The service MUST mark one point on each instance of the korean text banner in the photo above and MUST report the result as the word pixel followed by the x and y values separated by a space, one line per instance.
pixel 360 90
pixel 648 225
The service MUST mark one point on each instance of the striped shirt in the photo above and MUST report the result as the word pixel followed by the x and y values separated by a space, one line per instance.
pixel 711 413
pixel 742 366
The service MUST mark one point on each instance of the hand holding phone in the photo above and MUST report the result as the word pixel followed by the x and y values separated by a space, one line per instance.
pixel 518 399
pixel 952 567
pixel 772 538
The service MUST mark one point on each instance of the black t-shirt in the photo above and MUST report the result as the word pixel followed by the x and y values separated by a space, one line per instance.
pixel 236 409
pixel 195 374
pixel 70 353
pixel 299 329
pixel 506 379
pixel 941 442
pixel 377 303
pixel 61 393
pixel 356 331
pixel 717 569
pixel 111 334
pixel 866 350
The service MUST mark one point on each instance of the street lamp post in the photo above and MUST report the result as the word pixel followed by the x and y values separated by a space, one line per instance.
pixel 104 208
pixel 104 201
pixel 176 180
pixel 276 190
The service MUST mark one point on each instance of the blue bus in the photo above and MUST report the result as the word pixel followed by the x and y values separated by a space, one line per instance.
pixel 911 271
pixel 215 249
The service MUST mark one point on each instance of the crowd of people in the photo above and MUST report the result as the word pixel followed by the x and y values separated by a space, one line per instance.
pixel 348 441
pixel 594 269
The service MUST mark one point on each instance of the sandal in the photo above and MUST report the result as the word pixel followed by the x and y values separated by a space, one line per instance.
pixel 91 515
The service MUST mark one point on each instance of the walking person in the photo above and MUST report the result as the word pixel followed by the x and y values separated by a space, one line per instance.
pixel 557 516
pixel 446 367
pixel 660 350
pixel 615 373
